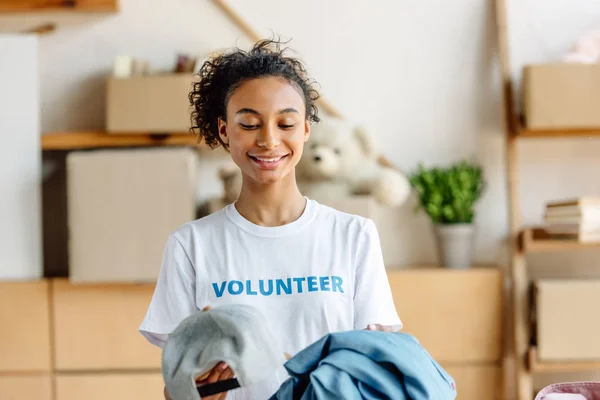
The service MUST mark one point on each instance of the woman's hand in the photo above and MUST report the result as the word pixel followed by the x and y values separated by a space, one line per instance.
pixel 220 372
pixel 378 327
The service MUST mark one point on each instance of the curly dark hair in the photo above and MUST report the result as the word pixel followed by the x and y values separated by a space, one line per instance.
pixel 223 74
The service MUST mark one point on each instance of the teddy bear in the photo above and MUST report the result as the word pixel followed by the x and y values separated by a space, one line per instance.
pixel 231 179
pixel 586 49
pixel 340 160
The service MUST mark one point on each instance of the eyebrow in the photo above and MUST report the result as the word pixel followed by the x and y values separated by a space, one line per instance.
pixel 288 110
pixel 251 111
pixel 247 111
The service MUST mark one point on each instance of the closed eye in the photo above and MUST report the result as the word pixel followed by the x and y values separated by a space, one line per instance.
pixel 248 127
pixel 286 126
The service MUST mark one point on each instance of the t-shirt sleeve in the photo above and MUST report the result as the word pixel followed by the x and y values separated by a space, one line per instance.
pixel 373 301
pixel 174 294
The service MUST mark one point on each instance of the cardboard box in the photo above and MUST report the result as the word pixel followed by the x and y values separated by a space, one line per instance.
pixel 96 327
pixel 561 96
pixel 567 323
pixel 148 104
pixel 455 314
pixel 122 206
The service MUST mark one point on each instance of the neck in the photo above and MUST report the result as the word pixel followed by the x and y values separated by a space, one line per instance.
pixel 271 204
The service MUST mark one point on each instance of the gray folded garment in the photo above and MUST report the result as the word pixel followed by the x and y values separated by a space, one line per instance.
pixel 236 334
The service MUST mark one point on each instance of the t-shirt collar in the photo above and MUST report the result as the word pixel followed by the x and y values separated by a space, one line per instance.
pixel 271 231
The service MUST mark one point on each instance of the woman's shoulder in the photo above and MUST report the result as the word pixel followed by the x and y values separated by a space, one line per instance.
pixel 206 224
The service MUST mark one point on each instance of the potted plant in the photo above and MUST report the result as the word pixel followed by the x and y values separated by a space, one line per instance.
pixel 448 196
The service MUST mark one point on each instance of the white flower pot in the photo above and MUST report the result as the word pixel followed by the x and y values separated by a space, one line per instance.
pixel 455 245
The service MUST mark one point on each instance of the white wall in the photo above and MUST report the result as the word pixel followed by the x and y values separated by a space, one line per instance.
pixel 20 159
pixel 423 75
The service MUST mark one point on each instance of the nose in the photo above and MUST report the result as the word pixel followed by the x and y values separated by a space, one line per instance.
pixel 267 137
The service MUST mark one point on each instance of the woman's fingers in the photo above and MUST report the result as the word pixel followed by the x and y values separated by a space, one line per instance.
pixel 379 327
pixel 219 373
pixel 216 372
pixel 227 374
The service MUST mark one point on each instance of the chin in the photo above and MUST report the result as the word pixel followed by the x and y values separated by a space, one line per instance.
pixel 268 178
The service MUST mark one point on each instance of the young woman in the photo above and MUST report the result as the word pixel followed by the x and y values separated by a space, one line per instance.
pixel 309 268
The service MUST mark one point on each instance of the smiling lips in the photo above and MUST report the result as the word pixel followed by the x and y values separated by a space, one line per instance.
pixel 268 162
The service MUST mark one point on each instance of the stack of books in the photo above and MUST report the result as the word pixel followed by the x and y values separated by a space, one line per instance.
pixel 577 219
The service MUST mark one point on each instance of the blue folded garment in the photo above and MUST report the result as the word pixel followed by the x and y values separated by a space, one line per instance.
pixel 365 365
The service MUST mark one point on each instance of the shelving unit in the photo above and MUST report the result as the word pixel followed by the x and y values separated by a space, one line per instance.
pixel 526 240
pixel 536 366
pixel 536 240
pixel 99 139
pixel 10 6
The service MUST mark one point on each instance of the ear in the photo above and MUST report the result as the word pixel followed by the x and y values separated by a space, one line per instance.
pixel 366 141
pixel 223 131
pixel 306 131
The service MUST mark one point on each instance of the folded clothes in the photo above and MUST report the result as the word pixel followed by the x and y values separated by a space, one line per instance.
pixel 365 365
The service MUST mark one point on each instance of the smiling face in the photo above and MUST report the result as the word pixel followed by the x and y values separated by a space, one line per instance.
pixel 266 129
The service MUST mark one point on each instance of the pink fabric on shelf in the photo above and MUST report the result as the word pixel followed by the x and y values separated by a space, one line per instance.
pixel 570 391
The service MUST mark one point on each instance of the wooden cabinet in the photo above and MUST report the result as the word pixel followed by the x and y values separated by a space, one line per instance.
pixel 476 382
pixel 455 314
pixel 96 327
pixel 25 336
pixel 31 386
pixel 117 386
pixel 53 5
pixel 99 353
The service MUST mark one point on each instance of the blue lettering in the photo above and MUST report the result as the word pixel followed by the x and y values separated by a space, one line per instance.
pixel 299 282
pixel 287 290
pixel 280 286
pixel 249 288
pixel 219 290
pixel 337 283
pixel 261 287
pixel 312 284
pixel 239 290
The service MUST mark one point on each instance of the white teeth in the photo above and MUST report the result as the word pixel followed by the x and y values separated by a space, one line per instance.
pixel 268 160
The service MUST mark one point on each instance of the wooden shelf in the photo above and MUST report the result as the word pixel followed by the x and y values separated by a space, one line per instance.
pixel 559 366
pixel 537 240
pixel 10 6
pixel 98 139
pixel 558 133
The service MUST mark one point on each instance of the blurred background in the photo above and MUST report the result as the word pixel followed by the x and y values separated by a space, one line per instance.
pixel 97 167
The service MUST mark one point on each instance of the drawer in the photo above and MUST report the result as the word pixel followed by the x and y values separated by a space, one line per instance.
pixel 25 337
pixel 455 314
pixel 476 382
pixel 96 327
pixel 25 387
pixel 122 386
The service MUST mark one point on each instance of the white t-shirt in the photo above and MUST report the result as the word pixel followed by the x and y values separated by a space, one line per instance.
pixel 321 273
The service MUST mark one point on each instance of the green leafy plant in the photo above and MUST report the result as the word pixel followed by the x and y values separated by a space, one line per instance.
pixel 448 195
